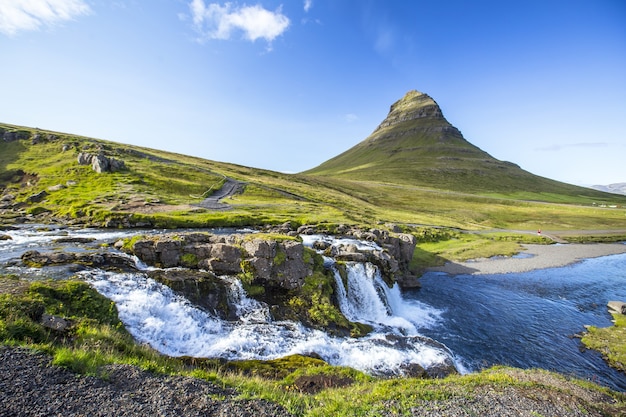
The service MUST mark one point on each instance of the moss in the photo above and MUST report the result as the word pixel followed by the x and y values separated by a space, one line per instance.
pixel 189 260
pixel 314 304
pixel 280 257
pixel 74 299
pixel 609 341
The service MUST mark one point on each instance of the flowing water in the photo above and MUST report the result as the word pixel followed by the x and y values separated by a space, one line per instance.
pixel 470 322
pixel 528 320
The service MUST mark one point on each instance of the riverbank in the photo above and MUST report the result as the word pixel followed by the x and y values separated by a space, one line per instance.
pixel 532 258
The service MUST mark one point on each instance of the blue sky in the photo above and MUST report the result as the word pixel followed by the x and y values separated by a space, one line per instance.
pixel 285 85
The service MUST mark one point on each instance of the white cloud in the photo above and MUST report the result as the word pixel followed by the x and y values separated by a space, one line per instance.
pixel 215 21
pixel 21 15
pixel 307 5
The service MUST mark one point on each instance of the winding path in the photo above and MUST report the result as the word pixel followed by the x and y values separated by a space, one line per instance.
pixel 230 188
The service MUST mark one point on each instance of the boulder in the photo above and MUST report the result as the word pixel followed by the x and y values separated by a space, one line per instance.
pixel 84 158
pixel 201 288
pixel 618 307
pixel 168 252
pixel 100 164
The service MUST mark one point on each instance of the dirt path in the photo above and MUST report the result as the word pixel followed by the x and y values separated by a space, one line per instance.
pixel 230 188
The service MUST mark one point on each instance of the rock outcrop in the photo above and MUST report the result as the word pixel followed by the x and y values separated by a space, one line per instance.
pixel 35 258
pixel 278 263
pixel 100 163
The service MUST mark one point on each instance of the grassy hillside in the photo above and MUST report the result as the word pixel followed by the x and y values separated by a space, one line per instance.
pixel 162 189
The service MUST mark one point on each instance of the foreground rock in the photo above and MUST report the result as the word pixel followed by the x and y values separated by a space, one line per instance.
pixel 107 260
pixel 31 386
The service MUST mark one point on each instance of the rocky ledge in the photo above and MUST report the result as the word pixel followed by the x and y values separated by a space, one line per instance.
pixel 274 260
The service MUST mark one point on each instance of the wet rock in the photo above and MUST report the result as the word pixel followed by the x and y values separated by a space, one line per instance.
pixel 5 237
pixel 200 287
pixel 74 239
pixel 105 260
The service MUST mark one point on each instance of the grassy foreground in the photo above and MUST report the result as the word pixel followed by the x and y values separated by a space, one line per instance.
pixel 305 386
pixel 609 341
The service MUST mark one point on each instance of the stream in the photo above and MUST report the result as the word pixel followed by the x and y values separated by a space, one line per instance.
pixel 470 322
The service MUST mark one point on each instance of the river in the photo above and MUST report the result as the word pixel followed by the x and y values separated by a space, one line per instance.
pixel 470 322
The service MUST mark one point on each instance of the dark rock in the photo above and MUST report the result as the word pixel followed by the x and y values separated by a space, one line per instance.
pixel 74 239
pixel 168 252
pixel 56 323
pixel 5 237
pixel 201 288
pixel 36 198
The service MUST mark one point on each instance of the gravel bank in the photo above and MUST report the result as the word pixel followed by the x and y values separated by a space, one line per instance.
pixel 30 386
pixel 534 257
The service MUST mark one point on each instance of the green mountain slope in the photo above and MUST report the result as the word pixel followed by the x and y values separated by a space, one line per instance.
pixel 415 145
pixel 42 180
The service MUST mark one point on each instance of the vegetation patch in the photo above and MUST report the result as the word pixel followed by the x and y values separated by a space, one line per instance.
pixel 609 341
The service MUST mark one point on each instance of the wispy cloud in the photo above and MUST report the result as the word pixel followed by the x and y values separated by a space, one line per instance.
pixel 350 117
pixel 215 21
pixel 559 147
pixel 17 16
pixel 307 5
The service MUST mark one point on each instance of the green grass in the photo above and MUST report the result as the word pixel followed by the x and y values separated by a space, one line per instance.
pixel 609 341
pixel 160 189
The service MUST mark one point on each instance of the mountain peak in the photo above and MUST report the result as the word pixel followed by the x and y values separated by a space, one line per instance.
pixel 416 145
pixel 414 105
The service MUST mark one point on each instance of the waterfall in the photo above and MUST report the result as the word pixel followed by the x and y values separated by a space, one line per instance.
pixel 366 298
pixel 248 309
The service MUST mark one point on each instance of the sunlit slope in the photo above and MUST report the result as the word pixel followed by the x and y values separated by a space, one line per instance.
pixel 163 189
pixel 415 145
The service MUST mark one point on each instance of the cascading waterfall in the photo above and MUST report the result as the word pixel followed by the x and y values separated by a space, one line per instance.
pixel 168 322
pixel 155 315
pixel 369 299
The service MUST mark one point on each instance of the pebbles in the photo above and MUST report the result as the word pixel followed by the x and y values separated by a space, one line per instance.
pixel 31 386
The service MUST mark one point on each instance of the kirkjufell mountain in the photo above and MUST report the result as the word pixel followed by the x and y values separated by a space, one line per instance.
pixel 416 145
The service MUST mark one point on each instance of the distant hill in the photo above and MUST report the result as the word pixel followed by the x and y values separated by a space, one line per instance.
pixel 416 145
pixel 618 188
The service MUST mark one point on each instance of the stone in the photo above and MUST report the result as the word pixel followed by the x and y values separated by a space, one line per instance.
pixel 36 198
pixel 55 323
pixel 100 164
pixel 84 158
pixel 56 187
pixel 618 307
pixel 168 252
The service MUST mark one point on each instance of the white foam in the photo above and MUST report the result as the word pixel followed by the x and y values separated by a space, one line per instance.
pixel 153 314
